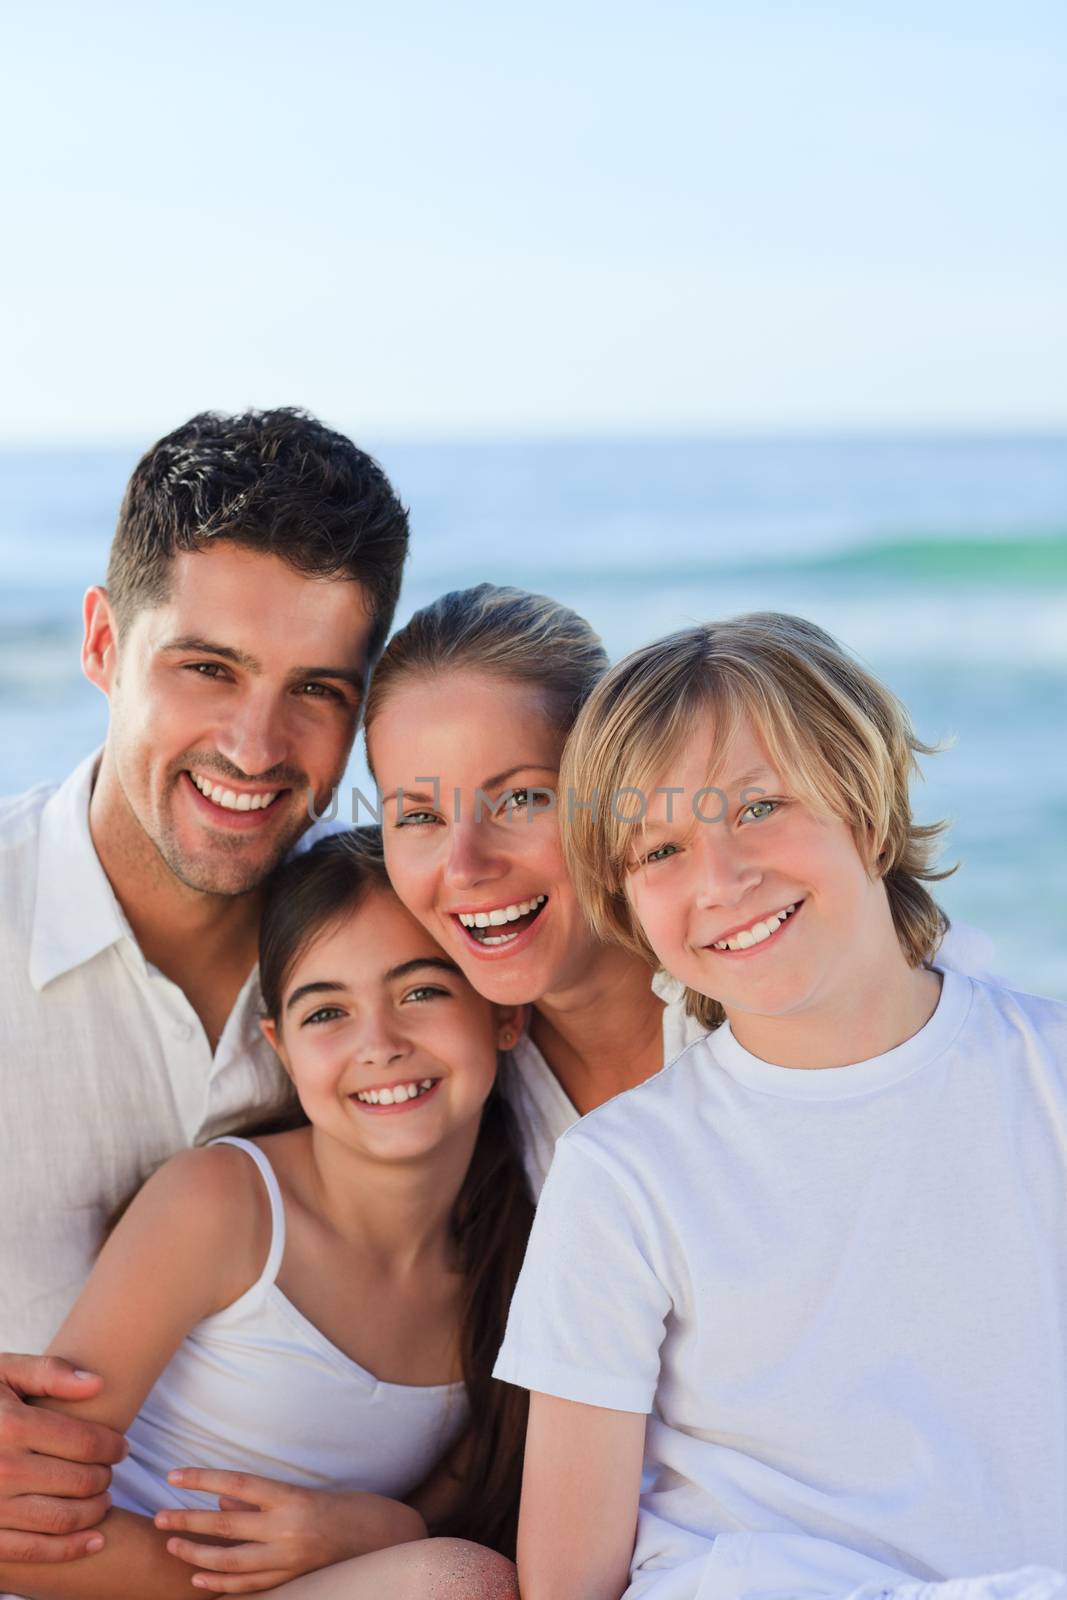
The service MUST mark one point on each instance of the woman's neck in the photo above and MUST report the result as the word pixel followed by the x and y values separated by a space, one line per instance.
pixel 604 1032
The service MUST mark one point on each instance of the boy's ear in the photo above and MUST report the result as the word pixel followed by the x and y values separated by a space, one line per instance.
pixel 510 1022
pixel 100 644
pixel 269 1029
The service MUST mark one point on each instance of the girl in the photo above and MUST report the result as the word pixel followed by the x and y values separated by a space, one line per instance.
pixel 468 713
pixel 815 1270
pixel 322 1305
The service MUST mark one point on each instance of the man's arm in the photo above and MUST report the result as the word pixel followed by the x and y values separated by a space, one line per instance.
pixel 54 1470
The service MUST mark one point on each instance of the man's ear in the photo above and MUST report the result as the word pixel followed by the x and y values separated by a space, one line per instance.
pixel 510 1021
pixel 100 645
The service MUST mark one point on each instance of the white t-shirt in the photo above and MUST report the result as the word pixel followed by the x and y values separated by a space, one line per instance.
pixel 840 1295
pixel 544 1111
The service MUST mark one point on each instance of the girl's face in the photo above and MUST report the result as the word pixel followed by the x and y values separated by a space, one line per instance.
pixel 389 1047
pixel 760 902
pixel 467 765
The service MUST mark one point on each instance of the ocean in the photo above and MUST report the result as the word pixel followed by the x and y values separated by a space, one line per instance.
pixel 941 561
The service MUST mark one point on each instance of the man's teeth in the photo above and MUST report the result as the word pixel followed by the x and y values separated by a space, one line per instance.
pixel 757 933
pixel 501 914
pixel 396 1095
pixel 221 796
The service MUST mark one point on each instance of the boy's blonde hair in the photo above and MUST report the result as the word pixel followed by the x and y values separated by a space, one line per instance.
pixel 842 741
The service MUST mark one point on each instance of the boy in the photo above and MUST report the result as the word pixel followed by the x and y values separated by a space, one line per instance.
pixel 815 1270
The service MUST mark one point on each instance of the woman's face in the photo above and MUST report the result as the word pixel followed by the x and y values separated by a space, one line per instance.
pixel 467 765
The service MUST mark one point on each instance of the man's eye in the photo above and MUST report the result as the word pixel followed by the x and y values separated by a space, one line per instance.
pixel 322 692
pixel 205 669
pixel 759 810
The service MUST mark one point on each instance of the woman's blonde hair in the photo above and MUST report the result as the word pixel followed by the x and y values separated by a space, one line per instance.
pixel 841 740
pixel 507 633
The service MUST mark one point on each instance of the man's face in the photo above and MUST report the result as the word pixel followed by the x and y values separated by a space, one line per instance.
pixel 229 702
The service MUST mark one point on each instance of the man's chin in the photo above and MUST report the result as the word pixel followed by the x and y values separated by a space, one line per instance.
pixel 229 872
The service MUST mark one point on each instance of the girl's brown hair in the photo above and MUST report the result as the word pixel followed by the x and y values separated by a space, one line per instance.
pixel 491 1219
pixel 840 737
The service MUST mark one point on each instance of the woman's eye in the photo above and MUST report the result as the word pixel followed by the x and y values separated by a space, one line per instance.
pixel 528 799
pixel 323 1014
pixel 414 819
pixel 759 810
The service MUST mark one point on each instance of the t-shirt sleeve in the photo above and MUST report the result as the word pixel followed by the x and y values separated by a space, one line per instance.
pixel 590 1307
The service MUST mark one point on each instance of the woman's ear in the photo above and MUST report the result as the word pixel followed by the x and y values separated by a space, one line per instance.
pixel 269 1029
pixel 510 1021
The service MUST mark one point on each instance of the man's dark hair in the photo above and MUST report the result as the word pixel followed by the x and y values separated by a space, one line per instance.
pixel 276 481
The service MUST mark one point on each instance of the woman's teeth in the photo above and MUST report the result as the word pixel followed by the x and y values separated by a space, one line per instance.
pixel 396 1095
pixel 219 795
pixel 757 933
pixel 476 922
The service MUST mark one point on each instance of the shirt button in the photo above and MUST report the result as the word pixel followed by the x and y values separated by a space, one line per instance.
pixel 182 1032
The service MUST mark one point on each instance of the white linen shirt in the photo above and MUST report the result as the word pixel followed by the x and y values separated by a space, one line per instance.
pixel 106 1069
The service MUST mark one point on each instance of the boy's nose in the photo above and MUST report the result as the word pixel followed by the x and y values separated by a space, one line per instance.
pixel 724 875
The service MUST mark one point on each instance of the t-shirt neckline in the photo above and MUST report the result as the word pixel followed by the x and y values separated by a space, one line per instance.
pixel 862 1077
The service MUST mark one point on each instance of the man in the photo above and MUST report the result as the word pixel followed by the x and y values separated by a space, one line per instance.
pixel 251 585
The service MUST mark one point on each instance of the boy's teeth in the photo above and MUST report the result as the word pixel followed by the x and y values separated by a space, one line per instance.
pixel 228 800
pixel 500 915
pixel 757 933
pixel 396 1095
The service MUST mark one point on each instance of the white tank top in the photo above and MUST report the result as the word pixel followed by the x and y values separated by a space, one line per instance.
pixel 257 1388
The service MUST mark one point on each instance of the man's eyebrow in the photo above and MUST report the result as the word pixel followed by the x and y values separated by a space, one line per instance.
pixel 193 641
pixel 240 658
pixel 331 986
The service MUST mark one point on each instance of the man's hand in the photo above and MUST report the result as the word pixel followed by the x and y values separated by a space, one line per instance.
pixel 283 1531
pixel 54 1470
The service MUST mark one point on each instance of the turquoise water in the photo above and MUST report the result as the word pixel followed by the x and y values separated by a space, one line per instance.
pixel 942 562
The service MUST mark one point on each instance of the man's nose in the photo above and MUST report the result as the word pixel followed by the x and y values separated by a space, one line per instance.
pixel 253 736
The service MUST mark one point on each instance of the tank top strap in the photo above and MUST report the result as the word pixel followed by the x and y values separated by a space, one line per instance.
pixel 277 1211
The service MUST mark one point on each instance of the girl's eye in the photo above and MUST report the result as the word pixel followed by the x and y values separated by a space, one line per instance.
pixel 759 810
pixel 426 991
pixel 323 1014
pixel 414 819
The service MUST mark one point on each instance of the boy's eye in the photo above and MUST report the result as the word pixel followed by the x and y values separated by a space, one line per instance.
pixel 662 852
pixel 323 1014
pixel 759 810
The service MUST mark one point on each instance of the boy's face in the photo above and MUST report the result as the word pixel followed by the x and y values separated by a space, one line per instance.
pixel 247 679
pixel 781 883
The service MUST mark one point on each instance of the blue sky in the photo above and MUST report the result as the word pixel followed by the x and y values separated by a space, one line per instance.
pixel 475 219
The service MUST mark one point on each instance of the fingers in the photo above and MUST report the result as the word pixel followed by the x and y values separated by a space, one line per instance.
pixel 50 1549
pixel 24 1473
pixel 239 1558
pixel 241 1583
pixel 52 1433
pixel 219 1524
pixel 48 1375
pixel 228 1503
pixel 259 1492
pixel 36 1513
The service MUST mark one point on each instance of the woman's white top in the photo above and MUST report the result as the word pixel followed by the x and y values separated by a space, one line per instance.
pixel 542 1107
pixel 257 1388
pixel 840 1296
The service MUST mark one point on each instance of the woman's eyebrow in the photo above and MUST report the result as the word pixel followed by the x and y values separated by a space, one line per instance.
pixel 526 766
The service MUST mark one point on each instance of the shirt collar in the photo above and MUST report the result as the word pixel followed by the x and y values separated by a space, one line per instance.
pixel 76 913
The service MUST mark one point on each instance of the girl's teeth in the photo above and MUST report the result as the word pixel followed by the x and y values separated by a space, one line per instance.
pixel 397 1095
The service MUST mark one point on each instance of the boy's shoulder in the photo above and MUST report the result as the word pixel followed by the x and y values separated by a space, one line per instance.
pixel 1024 1014
pixel 664 1100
